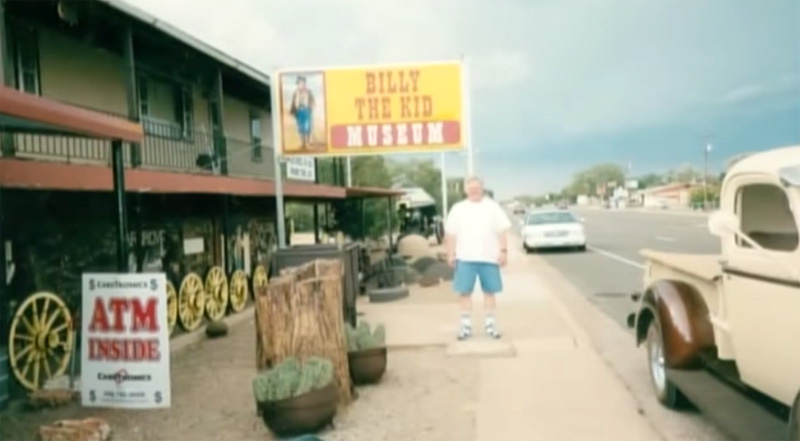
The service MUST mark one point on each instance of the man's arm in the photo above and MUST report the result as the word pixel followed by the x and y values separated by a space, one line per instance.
pixel 503 224
pixel 451 233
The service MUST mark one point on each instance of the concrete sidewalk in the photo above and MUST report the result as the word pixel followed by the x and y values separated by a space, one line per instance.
pixel 542 381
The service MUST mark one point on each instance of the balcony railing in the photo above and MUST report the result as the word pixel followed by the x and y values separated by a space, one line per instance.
pixel 166 147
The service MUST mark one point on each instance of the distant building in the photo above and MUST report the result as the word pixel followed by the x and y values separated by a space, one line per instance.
pixel 675 194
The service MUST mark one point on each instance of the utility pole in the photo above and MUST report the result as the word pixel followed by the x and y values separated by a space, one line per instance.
pixel 706 151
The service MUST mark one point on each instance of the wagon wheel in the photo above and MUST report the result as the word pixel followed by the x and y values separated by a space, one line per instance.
pixel 216 293
pixel 172 306
pixel 40 340
pixel 260 278
pixel 238 290
pixel 191 302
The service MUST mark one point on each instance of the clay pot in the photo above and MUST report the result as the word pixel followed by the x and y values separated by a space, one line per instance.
pixel 303 414
pixel 367 366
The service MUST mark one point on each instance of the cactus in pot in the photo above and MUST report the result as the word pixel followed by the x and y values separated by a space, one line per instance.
pixel 364 337
pixel 291 378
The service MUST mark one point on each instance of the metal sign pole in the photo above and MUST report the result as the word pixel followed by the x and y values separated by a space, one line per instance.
pixel 349 172
pixel 467 116
pixel 444 186
pixel 277 128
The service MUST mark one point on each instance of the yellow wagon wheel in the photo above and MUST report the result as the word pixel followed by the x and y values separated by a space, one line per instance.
pixel 191 302
pixel 172 306
pixel 260 278
pixel 239 290
pixel 40 340
pixel 216 293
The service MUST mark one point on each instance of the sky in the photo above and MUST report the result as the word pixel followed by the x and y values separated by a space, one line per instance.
pixel 555 85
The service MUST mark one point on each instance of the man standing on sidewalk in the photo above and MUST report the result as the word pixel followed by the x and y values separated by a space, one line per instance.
pixel 477 246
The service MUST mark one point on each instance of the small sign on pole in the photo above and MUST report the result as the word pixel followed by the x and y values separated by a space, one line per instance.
pixel 125 360
pixel 300 168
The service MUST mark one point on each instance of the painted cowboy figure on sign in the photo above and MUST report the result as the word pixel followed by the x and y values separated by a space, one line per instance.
pixel 303 111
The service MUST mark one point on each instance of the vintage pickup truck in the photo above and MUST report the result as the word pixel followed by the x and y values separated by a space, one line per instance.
pixel 723 331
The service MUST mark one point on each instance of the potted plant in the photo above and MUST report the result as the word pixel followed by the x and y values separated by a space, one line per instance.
pixel 366 353
pixel 295 398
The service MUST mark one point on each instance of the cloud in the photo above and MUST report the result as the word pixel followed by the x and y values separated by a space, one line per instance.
pixel 544 73
pixel 784 85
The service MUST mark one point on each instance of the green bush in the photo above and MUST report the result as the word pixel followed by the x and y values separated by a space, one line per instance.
pixel 291 378
pixel 363 337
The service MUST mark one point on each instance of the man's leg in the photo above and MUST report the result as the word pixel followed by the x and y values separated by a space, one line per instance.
pixel 491 284
pixel 464 276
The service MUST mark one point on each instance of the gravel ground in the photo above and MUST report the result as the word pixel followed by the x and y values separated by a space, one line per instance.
pixel 425 396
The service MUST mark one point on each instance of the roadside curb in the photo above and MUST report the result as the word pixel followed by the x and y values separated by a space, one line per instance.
pixel 181 343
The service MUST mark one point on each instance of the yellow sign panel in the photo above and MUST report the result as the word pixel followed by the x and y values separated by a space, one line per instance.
pixel 372 110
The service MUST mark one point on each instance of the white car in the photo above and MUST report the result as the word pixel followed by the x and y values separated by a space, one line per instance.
pixel 553 229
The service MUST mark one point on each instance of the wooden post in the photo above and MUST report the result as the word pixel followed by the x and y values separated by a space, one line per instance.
pixel 300 315
pixel 131 90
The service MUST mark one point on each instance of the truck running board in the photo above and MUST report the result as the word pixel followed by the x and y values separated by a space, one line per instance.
pixel 738 416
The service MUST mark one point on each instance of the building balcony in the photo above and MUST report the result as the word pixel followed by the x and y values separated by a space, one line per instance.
pixel 167 147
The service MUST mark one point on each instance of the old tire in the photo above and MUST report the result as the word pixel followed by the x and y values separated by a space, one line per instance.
pixel 665 391
pixel 794 420
pixel 216 329
pixel 383 295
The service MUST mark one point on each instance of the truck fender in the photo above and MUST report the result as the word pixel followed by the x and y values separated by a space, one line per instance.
pixel 684 319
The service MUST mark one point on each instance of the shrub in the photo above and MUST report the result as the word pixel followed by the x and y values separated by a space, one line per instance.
pixel 291 378
pixel 363 337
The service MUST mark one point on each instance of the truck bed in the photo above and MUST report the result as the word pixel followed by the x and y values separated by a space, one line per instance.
pixel 702 266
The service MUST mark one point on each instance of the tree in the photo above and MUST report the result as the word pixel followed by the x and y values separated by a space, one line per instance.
pixel 420 173
pixel 685 174
pixel 586 181
pixel 651 180
pixel 368 171
pixel 698 196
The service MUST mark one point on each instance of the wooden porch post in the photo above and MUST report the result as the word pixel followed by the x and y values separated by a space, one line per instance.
pixel 120 205
pixel 6 77
pixel 131 91
pixel 220 148
pixel 6 143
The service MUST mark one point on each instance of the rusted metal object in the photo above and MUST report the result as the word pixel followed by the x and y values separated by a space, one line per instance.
pixel 684 320
pixel 367 366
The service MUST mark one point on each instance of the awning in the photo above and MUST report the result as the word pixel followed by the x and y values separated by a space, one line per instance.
pixel 41 175
pixel 372 192
pixel 22 112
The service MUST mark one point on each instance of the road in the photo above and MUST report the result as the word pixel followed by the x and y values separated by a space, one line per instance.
pixel 611 269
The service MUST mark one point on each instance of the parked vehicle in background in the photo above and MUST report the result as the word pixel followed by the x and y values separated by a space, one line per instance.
pixel 552 229
pixel 724 330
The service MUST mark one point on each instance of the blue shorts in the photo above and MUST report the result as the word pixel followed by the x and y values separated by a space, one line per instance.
pixel 466 272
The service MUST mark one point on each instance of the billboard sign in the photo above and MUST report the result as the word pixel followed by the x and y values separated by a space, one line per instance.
pixel 371 110
pixel 125 359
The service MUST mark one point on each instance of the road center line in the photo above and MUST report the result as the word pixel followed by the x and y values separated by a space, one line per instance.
pixel 665 239
pixel 616 257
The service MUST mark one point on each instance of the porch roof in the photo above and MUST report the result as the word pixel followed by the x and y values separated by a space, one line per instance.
pixel 22 112
pixel 372 192
pixel 39 175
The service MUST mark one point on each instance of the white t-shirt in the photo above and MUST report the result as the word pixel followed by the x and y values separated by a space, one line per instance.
pixel 477 227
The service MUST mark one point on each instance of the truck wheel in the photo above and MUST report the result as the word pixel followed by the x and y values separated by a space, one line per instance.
pixel 666 392
pixel 794 420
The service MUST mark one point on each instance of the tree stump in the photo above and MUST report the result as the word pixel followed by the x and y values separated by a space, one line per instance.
pixel 300 315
